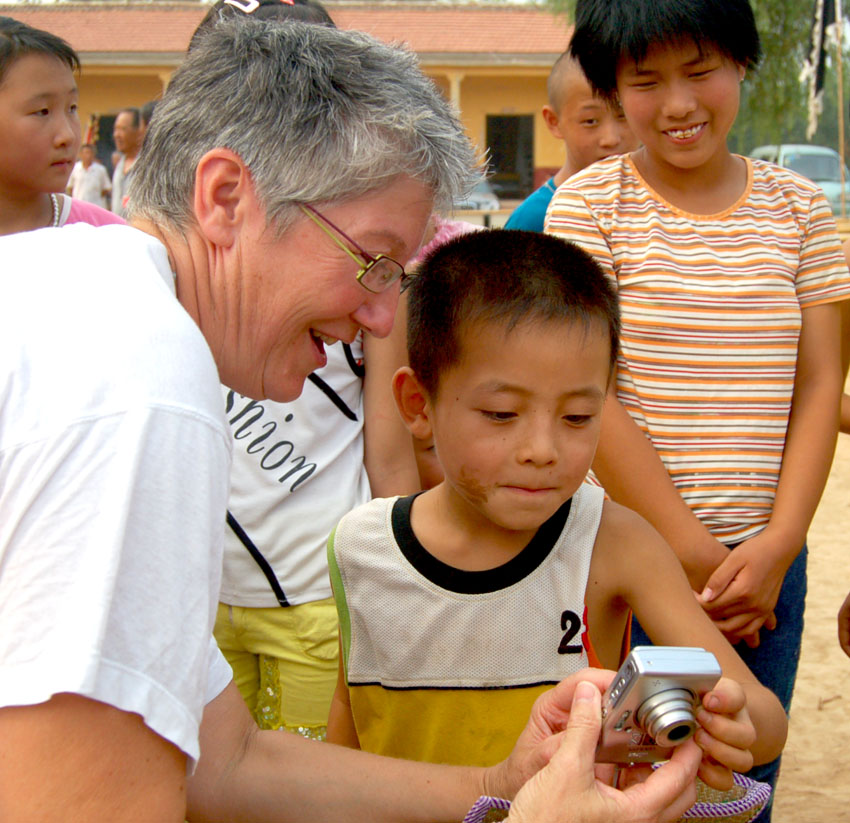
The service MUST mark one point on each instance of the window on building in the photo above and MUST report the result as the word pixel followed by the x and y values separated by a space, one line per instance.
pixel 510 140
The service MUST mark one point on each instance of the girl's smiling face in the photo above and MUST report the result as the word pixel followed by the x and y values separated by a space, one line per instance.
pixel 681 103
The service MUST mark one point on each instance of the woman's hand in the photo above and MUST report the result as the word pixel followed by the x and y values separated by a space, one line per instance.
pixel 568 788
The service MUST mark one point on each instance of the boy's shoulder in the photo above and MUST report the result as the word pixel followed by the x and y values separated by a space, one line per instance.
pixel 375 511
pixel 619 526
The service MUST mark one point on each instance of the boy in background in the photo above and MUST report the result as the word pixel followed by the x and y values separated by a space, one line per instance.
pixel 591 128
pixel 460 605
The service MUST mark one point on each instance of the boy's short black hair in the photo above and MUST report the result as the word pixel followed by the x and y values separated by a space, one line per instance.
pixel 505 277
pixel 606 31
pixel 17 40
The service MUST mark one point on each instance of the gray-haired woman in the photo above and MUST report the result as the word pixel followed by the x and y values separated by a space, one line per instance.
pixel 288 167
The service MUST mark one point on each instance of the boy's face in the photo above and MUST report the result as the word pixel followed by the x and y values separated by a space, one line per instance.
pixel 516 421
pixel 591 128
pixel 681 104
pixel 39 126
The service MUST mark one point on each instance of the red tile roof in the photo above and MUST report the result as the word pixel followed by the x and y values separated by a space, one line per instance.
pixel 158 28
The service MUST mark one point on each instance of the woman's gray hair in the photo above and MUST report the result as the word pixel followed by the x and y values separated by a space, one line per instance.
pixel 316 114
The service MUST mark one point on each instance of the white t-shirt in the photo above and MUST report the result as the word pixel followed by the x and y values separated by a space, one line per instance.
pixel 297 469
pixel 114 458
pixel 89 183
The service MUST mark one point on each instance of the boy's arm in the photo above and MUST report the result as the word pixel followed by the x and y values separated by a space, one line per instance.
pixel 650 580
pixel 341 729
pixel 388 448
pixel 632 473
pixel 743 591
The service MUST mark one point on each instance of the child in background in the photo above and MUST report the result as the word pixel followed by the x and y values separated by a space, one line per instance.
pixel 460 605
pixel 722 424
pixel 591 128
pixel 39 131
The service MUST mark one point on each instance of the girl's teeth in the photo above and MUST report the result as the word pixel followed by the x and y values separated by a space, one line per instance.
pixel 685 133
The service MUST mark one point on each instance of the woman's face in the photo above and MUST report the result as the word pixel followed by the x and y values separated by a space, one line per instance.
pixel 298 292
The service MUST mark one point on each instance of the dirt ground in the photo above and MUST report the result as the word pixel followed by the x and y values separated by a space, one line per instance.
pixel 814 785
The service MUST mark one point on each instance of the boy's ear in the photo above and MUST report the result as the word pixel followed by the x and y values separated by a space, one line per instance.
pixel 552 120
pixel 412 402
pixel 222 187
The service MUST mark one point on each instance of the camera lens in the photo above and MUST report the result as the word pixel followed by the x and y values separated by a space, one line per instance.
pixel 668 716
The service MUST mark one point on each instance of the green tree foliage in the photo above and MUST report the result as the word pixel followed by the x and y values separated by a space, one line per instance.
pixel 773 100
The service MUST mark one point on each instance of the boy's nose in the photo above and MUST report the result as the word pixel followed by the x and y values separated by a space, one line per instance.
pixel 610 135
pixel 538 445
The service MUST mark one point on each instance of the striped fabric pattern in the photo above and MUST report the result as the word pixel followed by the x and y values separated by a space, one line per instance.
pixel 711 310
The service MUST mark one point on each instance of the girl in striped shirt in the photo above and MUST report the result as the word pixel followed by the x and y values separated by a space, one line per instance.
pixel 729 272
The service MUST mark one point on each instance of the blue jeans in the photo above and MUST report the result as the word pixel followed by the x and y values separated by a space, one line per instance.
pixel 775 661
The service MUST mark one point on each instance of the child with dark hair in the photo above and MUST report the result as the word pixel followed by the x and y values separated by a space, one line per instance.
pixel 722 423
pixel 591 127
pixel 460 605
pixel 39 131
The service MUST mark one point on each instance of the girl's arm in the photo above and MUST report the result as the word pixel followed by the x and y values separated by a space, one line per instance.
pixel 743 591
pixel 632 473
pixel 388 448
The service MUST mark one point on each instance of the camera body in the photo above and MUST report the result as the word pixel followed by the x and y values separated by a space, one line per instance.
pixel 649 707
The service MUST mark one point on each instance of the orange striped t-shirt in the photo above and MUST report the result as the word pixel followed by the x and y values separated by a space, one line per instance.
pixel 711 308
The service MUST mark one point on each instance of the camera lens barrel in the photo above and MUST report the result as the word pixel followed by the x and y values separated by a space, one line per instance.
pixel 668 716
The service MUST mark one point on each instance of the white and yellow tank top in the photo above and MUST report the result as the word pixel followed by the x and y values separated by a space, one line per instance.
pixel 443 665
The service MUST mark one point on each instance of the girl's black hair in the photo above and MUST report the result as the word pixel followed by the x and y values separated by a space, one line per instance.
pixel 606 31
pixel 301 11
pixel 18 40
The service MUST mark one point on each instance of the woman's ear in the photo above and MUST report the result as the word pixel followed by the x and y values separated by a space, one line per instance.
pixel 223 188
pixel 412 401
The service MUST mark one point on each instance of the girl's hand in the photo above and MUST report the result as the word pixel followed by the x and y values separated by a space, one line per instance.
pixel 745 587
pixel 725 735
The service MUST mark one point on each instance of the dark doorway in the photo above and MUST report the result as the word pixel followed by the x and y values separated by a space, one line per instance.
pixel 510 139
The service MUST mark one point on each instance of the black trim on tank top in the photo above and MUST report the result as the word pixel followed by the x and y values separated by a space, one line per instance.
pixel 462 581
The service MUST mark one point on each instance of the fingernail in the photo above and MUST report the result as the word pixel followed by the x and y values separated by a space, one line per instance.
pixel 585 692
pixel 712 702
pixel 707 594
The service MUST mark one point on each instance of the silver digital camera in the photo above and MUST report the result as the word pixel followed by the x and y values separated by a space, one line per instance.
pixel 649 707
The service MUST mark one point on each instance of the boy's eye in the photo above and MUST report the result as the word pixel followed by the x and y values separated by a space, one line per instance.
pixel 498 415
pixel 577 419
pixel 590 123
